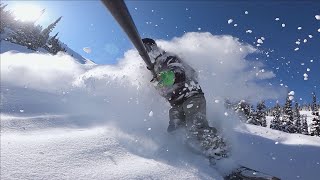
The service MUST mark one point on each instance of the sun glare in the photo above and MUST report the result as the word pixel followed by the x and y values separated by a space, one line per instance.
pixel 27 12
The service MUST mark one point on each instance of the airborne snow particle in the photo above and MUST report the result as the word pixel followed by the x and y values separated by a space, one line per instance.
pixel 317 17
pixel 250 31
pixel 299 28
pixel 291 98
pixel 296 49
pixel 260 41
pixel 136 8
pixel 283 25
pixel 216 101
pixel 263 38
pixel 310 36
pixel 311 60
pixel 319 30
pixel 87 49
pixel 152 10
pixel 21 110
pixel 150 113
pixel 308 69
pixel 226 114
pixel 305 75
pixel 230 21
pixel 246 12
pixel 305 40
pixel 149 129
pixel 277 19
pixel 235 25
pixel 276 142
pixel 298 42
pixel 189 106
pixel 199 29
pixel 291 93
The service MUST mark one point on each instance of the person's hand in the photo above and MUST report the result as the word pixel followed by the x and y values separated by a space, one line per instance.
pixel 166 78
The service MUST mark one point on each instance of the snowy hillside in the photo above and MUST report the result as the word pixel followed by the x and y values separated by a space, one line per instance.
pixel 65 120
pixel 8 46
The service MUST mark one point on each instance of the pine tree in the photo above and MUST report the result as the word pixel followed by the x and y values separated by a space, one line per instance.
pixel 297 119
pixel 287 120
pixel 314 107
pixel 315 126
pixel 46 32
pixel 276 122
pixel 252 118
pixel 243 110
pixel 261 114
pixel 304 129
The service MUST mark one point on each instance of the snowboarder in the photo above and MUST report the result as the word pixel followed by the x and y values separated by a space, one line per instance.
pixel 177 82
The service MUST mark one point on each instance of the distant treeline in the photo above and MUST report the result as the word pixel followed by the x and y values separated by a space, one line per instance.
pixel 285 118
pixel 27 33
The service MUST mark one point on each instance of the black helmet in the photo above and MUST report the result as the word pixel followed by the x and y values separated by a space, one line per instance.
pixel 148 43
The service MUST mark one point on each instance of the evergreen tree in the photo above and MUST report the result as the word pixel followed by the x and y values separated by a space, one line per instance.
pixel 276 121
pixel 297 119
pixel 314 107
pixel 261 114
pixel 6 18
pixel 46 32
pixel 243 110
pixel 287 120
pixel 304 129
pixel 315 126
pixel 252 118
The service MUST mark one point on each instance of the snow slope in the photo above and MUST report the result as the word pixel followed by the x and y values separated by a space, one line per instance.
pixel 64 120
pixel 8 46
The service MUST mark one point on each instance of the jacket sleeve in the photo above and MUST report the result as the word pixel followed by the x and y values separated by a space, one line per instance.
pixel 173 63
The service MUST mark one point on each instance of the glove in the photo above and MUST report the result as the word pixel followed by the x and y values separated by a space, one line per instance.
pixel 166 78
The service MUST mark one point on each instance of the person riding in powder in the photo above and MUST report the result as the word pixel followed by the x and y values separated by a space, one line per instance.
pixel 177 82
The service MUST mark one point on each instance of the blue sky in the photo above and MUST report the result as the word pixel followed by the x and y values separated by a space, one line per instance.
pixel 89 24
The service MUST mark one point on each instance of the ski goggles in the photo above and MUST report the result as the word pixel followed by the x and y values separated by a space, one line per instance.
pixel 150 47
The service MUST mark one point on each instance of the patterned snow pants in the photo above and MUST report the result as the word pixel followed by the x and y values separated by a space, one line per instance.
pixel 200 136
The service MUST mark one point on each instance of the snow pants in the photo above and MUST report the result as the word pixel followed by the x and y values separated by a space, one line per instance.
pixel 191 114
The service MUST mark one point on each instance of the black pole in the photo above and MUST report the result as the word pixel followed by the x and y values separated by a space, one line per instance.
pixel 120 12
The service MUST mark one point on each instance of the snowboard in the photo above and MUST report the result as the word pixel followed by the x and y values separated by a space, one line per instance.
pixel 245 173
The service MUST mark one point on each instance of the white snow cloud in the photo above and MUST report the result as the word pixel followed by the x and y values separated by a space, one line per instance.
pixel 107 91
pixel 87 49
pixel 39 71
pixel 234 77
